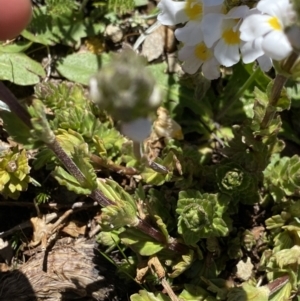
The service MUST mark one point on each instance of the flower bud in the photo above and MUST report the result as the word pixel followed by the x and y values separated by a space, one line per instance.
pixel 125 88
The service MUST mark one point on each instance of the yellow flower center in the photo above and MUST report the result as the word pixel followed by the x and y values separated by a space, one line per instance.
pixel 275 24
pixel 202 52
pixel 193 9
pixel 231 37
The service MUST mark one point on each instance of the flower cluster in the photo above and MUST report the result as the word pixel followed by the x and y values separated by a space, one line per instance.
pixel 215 35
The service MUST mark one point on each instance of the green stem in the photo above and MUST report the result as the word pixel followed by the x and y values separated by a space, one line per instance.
pixel 7 97
pixel 277 87
pixel 239 93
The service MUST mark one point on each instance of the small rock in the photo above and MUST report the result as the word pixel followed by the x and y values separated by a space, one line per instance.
pixel 244 269
pixel 114 33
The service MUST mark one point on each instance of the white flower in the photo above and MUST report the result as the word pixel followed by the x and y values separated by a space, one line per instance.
pixel 266 28
pixel 252 51
pixel 190 11
pixel 137 130
pixel 221 32
pixel 199 55
pixel 172 13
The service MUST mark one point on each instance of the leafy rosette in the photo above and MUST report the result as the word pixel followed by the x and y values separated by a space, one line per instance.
pixel 14 173
pixel 202 216
pixel 282 177
pixel 235 181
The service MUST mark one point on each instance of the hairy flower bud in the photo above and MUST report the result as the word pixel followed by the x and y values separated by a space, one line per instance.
pixel 125 88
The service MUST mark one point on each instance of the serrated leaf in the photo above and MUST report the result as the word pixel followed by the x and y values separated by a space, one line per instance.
pixel 20 69
pixel 68 29
pixel 284 101
pixel 249 293
pixel 283 294
pixel 140 242
pixel 14 173
pixel 274 222
pixel 81 158
pixel 195 293
pixel 150 176
pixel 288 256
pixel 146 296
pixel 65 179
pixel 182 265
pixel 123 212
pixel 201 216
pixel 79 67
pixel 162 226
pixel 68 140
pixel 109 239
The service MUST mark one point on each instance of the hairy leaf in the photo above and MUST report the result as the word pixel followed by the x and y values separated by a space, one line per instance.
pixel 124 210
pixel 201 215
pixel 140 242
pixel 146 296
pixel 65 179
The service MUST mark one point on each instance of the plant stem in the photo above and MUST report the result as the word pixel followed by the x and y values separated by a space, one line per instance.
pixel 7 97
pixel 158 236
pixel 277 87
pixel 238 94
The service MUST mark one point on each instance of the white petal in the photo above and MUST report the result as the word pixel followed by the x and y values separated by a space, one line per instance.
pixel 172 12
pixel 276 45
pixel 137 130
pixel 212 2
pixel 252 50
pixel 272 7
pixel 211 69
pixel 191 62
pixel 191 65
pixel 227 55
pixel 265 63
pixel 216 9
pixel 190 34
pixel 254 26
pixel 186 52
pixel 212 28
pixel 237 12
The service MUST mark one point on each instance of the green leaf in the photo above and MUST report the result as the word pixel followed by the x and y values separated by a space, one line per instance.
pixel 283 294
pixel 79 67
pixel 201 216
pixel 140 242
pixel 276 221
pixel 146 296
pixel 288 256
pixel 81 158
pixel 123 212
pixel 261 79
pixel 65 179
pixel 184 264
pixel 249 293
pixel 17 129
pixel 67 29
pixel 284 101
pixel 68 140
pixel 14 173
pixel 195 293
pixel 150 176
pixel 20 46
pixel 20 69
